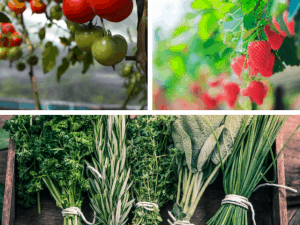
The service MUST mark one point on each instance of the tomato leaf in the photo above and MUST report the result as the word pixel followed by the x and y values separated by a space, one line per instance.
pixel 62 68
pixel 65 42
pixel 248 5
pixel 49 57
pixel 87 61
pixel 4 18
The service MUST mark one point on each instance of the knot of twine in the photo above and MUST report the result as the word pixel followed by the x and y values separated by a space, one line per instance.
pixel 76 211
pixel 147 205
pixel 178 222
pixel 243 201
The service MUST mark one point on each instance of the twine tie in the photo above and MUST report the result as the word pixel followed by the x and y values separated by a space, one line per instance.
pixel 147 205
pixel 178 222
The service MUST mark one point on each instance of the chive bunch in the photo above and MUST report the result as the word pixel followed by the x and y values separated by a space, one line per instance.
pixel 248 165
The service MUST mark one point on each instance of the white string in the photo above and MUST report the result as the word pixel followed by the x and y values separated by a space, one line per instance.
pixel 94 170
pixel 77 211
pixel 178 222
pixel 276 185
pixel 240 201
pixel 243 201
pixel 147 205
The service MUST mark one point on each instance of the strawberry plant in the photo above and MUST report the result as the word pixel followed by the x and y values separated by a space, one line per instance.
pixel 227 47
pixel 85 27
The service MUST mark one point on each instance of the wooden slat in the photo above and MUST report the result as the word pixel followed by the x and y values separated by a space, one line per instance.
pixel 3 164
pixel 279 199
pixel 8 214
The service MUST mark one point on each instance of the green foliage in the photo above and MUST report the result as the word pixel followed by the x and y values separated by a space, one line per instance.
pixel 110 197
pixel 88 60
pixel 62 68
pixel 151 153
pixel 50 54
pixel 4 139
pixel 202 142
pixel 4 18
pixel 50 152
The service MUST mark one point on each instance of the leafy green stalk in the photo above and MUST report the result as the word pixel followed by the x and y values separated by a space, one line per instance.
pixel 109 195
pixel 151 153
pixel 206 142
pixel 248 165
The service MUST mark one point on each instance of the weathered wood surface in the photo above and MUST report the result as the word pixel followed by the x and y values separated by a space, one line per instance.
pixel 3 165
pixel 8 214
pixel 292 159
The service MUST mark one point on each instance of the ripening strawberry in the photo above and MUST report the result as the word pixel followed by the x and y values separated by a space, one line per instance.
pixel 238 64
pixel 277 25
pixel 267 71
pixel 290 25
pixel 209 101
pixel 259 52
pixel 231 91
pixel 251 69
pixel 274 38
pixel 256 91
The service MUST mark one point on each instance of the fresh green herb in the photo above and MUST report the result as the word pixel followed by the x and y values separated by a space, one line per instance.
pixel 151 153
pixel 1 200
pixel 51 152
pixel 110 195
pixel 202 141
pixel 248 165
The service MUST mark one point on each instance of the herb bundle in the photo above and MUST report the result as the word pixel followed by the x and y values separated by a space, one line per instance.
pixel 51 153
pixel 202 141
pixel 151 153
pixel 247 166
pixel 109 194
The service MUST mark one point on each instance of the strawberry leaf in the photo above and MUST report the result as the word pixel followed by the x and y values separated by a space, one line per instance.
pixel 248 5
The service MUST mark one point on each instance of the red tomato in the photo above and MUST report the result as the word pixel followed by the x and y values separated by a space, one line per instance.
pixel 4 42
pixel 38 6
pixel 16 39
pixel 78 11
pixel 121 13
pixel 16 6
pixel 107 6
pixel 7 28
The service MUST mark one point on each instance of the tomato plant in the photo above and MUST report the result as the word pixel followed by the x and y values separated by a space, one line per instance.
pixel 230 49
pixel 81 32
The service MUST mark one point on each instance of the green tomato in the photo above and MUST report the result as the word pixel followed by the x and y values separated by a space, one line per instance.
pixel 56 12
pixel 21 66
pixel 110 50
pixel 3 53
pixel 85 37
pixel 32 60
pixel 14 53
pixel 127 70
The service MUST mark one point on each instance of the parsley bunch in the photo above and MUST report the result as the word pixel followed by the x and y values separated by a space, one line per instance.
pixel 51 152
pixel 151 153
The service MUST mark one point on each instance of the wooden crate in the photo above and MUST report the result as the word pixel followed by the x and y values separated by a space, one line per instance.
pixel 269 203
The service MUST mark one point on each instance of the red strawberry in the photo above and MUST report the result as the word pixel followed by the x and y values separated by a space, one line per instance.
pixel 259 52
pixel 256 91
pixel 277 25
pixel 238 64
pixel 290 25
pixel 267 71
pixel 231 91
pixel 195 88
pixel 7 28
pixel 251 69
pixel 274 38
pixel 209 101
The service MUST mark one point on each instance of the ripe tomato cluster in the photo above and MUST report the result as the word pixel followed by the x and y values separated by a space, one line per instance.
pixel 10 40
pixel 82 11
pixel 259 59
pixel 19 6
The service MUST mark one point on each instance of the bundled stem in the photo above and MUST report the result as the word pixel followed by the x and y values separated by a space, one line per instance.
pixel 247 166
pixel 109 194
